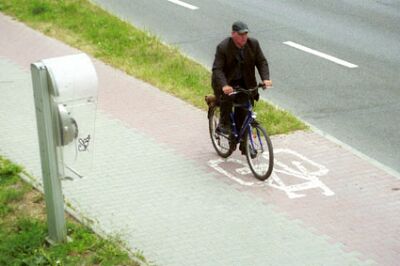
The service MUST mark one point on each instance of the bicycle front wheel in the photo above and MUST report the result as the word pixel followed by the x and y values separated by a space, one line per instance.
pixel 221 143
pixel 259 152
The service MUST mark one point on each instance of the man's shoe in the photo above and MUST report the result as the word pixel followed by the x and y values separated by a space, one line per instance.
pixel 253 154
pixel 242 148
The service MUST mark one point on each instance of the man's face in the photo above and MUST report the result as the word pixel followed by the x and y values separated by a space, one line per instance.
pixel 239 39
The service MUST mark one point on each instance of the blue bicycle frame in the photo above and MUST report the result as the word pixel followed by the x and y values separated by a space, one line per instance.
pixel 246 123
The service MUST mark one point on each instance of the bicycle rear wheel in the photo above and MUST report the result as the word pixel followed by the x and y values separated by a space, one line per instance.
pixel 220 142
pixel 259 152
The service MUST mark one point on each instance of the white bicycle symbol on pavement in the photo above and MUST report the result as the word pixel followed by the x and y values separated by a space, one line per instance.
pixel 302 174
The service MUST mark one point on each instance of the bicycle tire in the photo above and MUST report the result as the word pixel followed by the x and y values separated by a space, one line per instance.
pixel 259 152
pixel 221 144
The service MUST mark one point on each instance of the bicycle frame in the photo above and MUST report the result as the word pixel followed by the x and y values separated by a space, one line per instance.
pixel 253 138
pixel 248 119
pixel 246 123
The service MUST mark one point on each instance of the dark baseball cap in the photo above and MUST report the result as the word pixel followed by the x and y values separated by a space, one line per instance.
pixel 240 27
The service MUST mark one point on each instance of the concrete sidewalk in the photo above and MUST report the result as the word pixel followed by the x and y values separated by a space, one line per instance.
pixel 159 185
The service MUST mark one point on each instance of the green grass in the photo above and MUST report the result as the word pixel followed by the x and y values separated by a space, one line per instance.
pixel 96 32
pixel 8 178
pixel 23 231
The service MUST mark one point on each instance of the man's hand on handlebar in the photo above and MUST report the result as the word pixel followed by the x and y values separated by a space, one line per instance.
pixel 267 84
pixel 227 89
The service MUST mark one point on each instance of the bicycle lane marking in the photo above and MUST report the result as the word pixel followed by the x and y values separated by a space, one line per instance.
pixel 300 170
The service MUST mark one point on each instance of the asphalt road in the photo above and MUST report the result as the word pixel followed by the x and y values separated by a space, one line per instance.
pixel 359 106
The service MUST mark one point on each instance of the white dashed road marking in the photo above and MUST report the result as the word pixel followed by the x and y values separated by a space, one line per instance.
pixel 320 54
pixel 180 3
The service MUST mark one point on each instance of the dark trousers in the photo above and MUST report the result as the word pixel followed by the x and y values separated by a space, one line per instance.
pixel 226 105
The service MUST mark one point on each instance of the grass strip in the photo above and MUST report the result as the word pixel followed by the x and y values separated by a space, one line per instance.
pixel 23 231
pixel 89 28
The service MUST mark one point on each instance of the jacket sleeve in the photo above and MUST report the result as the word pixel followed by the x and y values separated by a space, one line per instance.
pixel 261 63
pixel 218 75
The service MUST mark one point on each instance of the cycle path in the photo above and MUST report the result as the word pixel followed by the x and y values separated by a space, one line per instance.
pixel 159 185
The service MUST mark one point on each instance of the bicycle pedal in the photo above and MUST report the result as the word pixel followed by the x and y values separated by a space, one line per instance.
pixel 233 146
pixel 219 135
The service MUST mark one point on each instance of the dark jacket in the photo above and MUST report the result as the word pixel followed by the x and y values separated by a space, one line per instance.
pixel 227 60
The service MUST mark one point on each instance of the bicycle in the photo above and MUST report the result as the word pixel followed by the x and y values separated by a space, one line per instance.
pixel 257 144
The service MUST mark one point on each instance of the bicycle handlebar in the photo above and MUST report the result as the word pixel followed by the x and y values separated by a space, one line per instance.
pixel 241 90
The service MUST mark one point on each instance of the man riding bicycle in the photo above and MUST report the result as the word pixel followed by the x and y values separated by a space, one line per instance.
pixel 234 66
